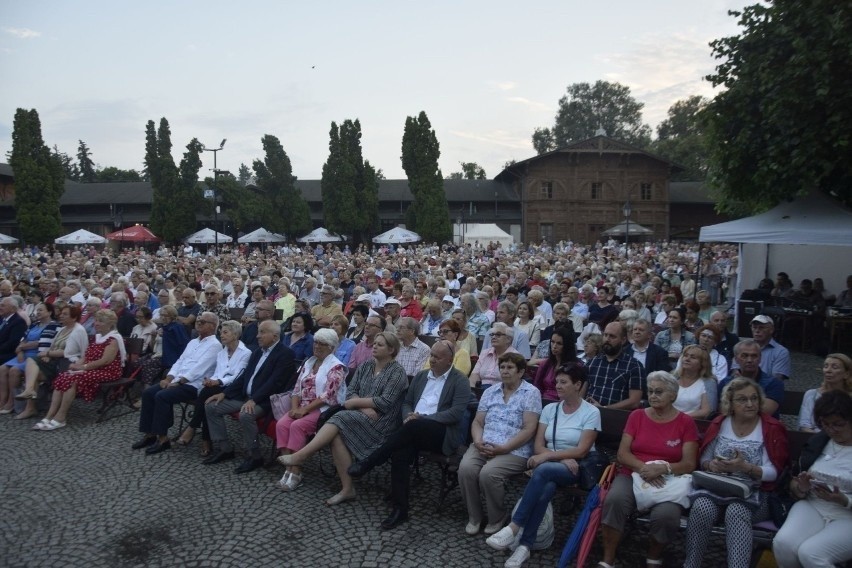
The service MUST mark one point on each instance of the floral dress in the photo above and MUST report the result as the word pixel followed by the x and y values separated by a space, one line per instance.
pixel 88 382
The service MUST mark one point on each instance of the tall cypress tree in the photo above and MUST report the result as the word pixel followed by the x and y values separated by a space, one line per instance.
pixel 152 169
pixel 85 164
pixel 188 193
pixel 39 180
pixel 288 211
pixel 429 214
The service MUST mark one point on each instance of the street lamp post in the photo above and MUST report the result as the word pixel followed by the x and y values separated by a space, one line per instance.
pixel 626 210
pixel 215 200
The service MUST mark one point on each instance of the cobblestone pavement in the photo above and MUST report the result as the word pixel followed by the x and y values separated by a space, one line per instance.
pixel 80 496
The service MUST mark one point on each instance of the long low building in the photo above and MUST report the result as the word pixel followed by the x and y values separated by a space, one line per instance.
pixel 574 193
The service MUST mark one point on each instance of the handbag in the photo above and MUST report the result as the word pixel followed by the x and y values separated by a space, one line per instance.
pixel 722 484
pixel 543 536
pixel 281 404
pixel 675 490
pixel 591 467
pixel 328 413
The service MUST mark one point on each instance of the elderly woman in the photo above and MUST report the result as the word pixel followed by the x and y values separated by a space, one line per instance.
pixel 87 320
pixel 502 434
pixel 477 322
pixel 676 336
pixel 237 297
pixel 345 346
pixel 410 307
pixel 466 340
pixel 817 529
pixel 320 380
pixel 708 337
pixel 145 329
pixel 369 415
pixel 697 393
pixel 258 293
pixel 103 362
pixel 566 433
pixel 299 338
pixel 527 322
pixel 286 301
pixel 230 362
pixel 836 375
pixel 747 445
pixel 487 370
pixel 592 346
pixel 450 331
pixel 431 321
pixel 36 340
pixel 658 440
pixel 562 351
pixel 172 338
pixel 68 345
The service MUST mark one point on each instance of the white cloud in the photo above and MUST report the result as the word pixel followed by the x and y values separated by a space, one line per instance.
pixel 22 33
pixel 505 85
pixel 532 104
pixel 496 137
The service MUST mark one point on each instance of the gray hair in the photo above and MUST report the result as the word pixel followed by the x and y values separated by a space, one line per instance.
pixel 233 326
pixel 507 329
pixel 327 336
pixel 120 297
pixel 668 381
pixel 409 323
pixel 743 343
pixel 510 308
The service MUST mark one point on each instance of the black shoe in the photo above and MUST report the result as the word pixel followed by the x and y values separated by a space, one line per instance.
pixel 396 518
pixel 159 447
pixel 358 469
pixel 218 457
pixel 144 442
pixel 248 465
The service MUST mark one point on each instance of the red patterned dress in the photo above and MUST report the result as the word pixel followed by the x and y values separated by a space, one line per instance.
pixel 88 382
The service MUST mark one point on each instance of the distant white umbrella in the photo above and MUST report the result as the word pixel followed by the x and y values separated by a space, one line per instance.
pixel 80 237
pixel 396 236
pixel 320 235
pixel 7 240
pixel 206 237
pixel 262 236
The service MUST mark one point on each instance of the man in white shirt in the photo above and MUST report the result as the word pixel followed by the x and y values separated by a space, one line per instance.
pixel 377 297
pixel 182 384
pixel 434 420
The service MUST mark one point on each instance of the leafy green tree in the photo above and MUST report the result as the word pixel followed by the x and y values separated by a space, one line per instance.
pixel 39 180
pixel 586 108
pixel 85 164
pixel 782 126
pixel 349 185
pixel 429 214
pixel 169 215
pixel 188 195
pixel 159 196
pixel 244 175
pixel 288 211
pixel 470 170
pixel 681 139
pixel 113 174
pixel 245 208
pixel 69 168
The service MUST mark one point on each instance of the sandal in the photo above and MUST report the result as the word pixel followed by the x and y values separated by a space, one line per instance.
pixel 181 441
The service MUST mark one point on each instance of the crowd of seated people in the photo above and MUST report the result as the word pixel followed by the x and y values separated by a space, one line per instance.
pixel 598 331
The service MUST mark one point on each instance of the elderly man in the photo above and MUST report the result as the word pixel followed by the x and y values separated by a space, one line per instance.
pixel 719 320
pixel 310 292
pixel 364 350
pixel 747 355
pixel 213 303
pixel 431 322
pixel 325 311
pixel 651 356
pixel 271 369
pixel 163 299
pixel 126 321
pixel 520 341
pixel 774 357
pixel 433 413
pixel 182 384
pixel 413 353
pixel 189 309
pixel 392 311
pixel 262 312
pixel 615 377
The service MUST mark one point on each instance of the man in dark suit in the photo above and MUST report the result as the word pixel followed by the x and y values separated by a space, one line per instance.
pixel 650 355
pixel 271 369
pixel 433 421
pixel 12 329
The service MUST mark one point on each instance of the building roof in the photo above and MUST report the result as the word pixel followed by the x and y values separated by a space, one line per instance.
pixel 599 144
pixel 397 190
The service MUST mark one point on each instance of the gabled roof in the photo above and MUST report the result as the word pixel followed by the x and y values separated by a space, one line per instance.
pixel 595 145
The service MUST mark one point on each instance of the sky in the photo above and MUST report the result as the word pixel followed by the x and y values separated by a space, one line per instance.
pixel 487 73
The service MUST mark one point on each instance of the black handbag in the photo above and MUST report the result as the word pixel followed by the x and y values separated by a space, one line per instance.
pixel 591 467
pixel 328 413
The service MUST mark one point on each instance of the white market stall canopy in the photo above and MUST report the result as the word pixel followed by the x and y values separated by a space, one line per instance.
pixel 636 230
pixel 808 237
pixel 396 236
pixel 7 240
pixel 80 237
pixel 486 233
pixel 262 236
pixel 207 237
pixel 320 235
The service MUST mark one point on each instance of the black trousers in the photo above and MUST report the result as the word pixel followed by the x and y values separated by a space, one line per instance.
pixel 199 417
pixel 421 434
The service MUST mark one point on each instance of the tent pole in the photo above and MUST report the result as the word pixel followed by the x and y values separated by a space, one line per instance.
pixel 698 274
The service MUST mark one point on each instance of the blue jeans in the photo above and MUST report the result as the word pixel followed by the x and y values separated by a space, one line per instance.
pixel 538 494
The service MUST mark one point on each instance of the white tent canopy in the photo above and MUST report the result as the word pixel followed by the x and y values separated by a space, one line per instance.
pixel 207 237
pixel 80 237
pixel 486 233
pixel 7 240
pixel 320 235
pixel 807 237
pixel 397 235
pixel 636 230
pixel 262 236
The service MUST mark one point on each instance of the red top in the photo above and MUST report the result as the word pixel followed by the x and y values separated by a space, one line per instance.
pixel 659 440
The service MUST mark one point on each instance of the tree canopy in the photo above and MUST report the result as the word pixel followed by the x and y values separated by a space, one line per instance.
pixel 85 164
pixel 469 170
pixel 429 214
pixel 783 125
pixel 288 211
pixel 681 139
pixel 586 108
pixel 39 180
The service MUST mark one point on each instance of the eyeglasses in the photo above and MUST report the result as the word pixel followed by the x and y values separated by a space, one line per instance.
pixel 656 392
pixel 205 321
pixel 497 334
pixel 742 401
pixel 443 332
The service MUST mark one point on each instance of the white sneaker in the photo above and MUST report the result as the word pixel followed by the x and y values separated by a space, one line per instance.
pixel 521 555
pixel 472 527
pixel 501 539
pixel 494 527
